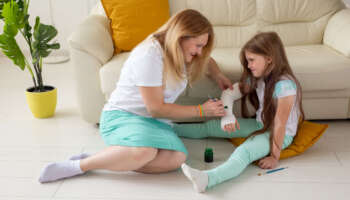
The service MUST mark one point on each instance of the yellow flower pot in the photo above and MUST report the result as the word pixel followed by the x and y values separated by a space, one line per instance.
pixel 42 104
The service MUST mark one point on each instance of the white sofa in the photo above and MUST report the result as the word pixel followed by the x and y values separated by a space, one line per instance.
pixel 316 34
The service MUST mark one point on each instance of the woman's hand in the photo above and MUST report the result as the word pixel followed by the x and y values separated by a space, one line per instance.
pixel 269 162
pixel 213 108
pixel 223 81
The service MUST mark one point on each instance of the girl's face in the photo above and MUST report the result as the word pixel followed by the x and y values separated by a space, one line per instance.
pixel 193 46
pixel 257 63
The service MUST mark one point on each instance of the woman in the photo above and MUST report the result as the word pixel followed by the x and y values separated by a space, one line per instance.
pixel 135 122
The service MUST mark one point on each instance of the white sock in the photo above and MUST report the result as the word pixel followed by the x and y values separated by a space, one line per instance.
pixel 60 170
pixel 79 156
pixel 197 177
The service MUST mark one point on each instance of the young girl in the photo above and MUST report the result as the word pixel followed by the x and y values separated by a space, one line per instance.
pixel 272 88
pixel 135 123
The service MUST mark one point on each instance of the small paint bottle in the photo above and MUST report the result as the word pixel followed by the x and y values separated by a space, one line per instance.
pixel 208 155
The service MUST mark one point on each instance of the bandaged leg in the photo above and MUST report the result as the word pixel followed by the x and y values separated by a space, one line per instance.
pixel 253 149
pixel 212 129
pixel 228 97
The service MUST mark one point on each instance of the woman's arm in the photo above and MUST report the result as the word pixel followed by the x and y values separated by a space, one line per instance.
pixel 154 101
pixel 284 107
pixel 215 74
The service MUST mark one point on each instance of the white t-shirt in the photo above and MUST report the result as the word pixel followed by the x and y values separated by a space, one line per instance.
pixel 144 67
pixel 283 88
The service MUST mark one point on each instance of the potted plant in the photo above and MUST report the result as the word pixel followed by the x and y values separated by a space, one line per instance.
pixel 14 13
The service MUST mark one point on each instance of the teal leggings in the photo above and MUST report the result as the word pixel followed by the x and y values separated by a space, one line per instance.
pixel 254 148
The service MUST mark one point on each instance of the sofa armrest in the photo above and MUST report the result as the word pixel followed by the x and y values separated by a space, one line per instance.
pixel 91 46
pixel 90 98
pixel 93 37
pixel 337 33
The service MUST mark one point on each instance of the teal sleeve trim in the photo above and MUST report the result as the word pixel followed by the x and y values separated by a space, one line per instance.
pixel 285 88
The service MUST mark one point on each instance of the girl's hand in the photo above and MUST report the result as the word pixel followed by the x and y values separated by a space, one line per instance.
pixel 229 123
pixel 213 108
pixel 231 127
pixel 269 162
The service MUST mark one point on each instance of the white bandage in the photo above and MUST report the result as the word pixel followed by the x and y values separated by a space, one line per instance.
pixel 228 97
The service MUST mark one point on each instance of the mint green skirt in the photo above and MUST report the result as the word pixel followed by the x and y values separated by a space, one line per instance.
pixel 120 128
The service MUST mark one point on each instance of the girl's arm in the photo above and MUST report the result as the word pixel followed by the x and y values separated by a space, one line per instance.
pixel 228 97
pixel 154 101
pixel 284 107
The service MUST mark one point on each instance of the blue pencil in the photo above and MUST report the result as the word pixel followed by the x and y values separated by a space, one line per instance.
pixel 273 170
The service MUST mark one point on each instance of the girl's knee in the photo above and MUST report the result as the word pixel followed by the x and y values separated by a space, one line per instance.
pixel 242 153
pixel 250 154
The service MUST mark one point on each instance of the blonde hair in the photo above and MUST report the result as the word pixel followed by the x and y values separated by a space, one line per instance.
pixel 185 24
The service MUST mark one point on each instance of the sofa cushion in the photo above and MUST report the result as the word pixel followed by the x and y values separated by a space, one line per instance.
pixel 110 72
pixel 133 20
pixel 84 38
pixel 297 22
pixel 234 21
pixel 307 135
pixel 337 32
pixel 317 67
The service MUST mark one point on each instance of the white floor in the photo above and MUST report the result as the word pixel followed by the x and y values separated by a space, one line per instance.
pixel 27 144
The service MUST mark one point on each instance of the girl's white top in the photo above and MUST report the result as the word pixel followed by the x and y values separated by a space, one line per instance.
pixel 283 88
pixel 144 67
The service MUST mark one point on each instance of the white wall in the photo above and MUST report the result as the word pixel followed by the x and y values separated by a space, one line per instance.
pixel 347 2
pixel 67 14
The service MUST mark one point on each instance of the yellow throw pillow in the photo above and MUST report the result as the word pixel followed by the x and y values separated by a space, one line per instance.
pixel 133 20
pixel 307 135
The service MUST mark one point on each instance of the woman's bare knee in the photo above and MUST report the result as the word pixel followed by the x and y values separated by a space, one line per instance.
pixel 164 162
pixel 179 158
pixel 143 154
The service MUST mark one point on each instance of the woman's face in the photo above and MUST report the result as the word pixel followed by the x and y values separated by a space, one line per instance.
pixel 257 63
pixel 193 46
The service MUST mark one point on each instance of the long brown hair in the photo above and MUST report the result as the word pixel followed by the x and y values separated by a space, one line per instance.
pixel 185 24
pixel 267 44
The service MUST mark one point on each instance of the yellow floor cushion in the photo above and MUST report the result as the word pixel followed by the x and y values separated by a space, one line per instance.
pixel 133 20
pixel 307 135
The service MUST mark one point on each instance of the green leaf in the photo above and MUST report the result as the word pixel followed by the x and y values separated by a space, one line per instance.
pixel 22 5
pixel 15 13
pixel 27 30
pixel 12 15
pixel 54 46
pixel 10 12
pixel 10 29
pixel 2 3
pixel 10 48
pixel 43 34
